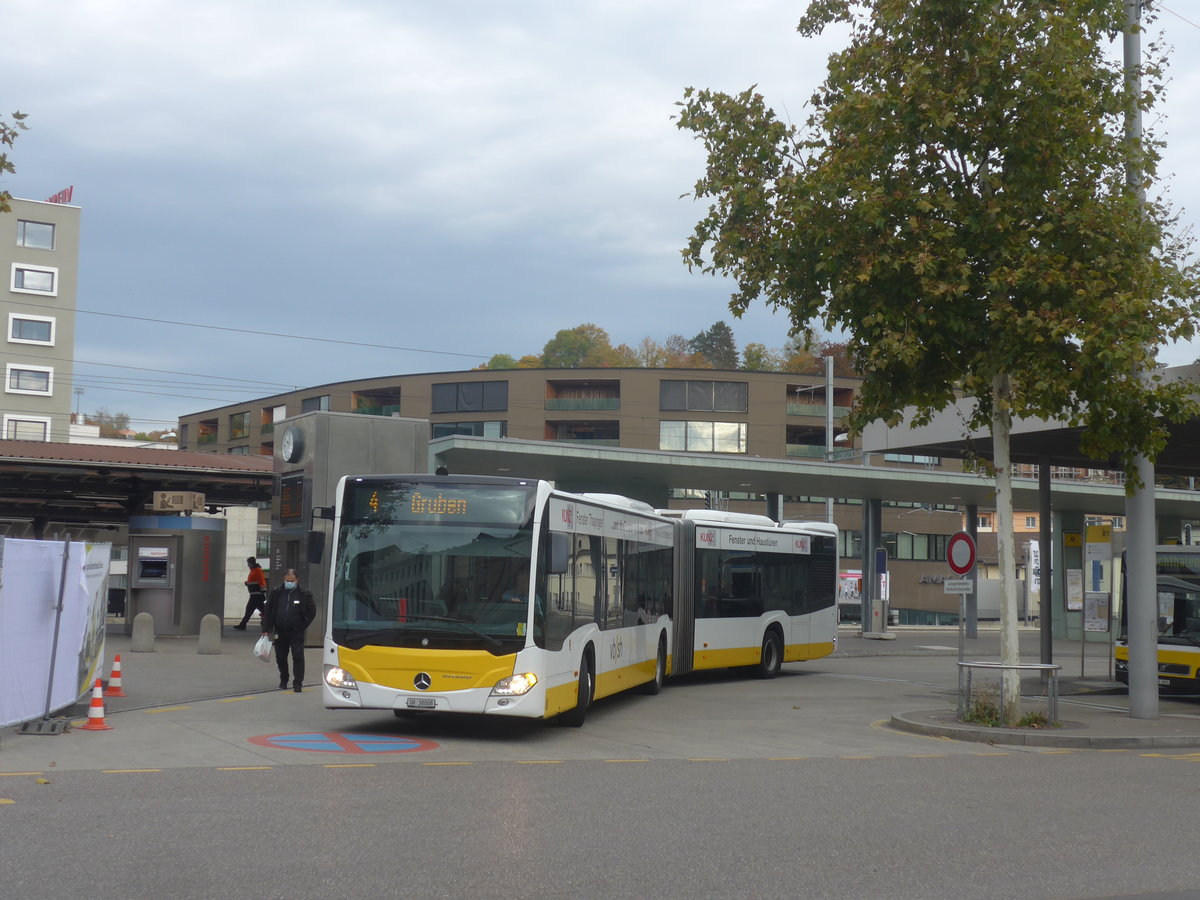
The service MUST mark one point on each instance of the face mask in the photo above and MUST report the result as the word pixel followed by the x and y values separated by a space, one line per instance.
pixel 289 585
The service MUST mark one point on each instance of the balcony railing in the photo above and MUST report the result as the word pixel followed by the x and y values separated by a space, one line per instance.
pixel 207 438
pixel 816 410
pixel 391 409
pixel 599 442
pixel 569 403
pixel 268 428
pixel 807 451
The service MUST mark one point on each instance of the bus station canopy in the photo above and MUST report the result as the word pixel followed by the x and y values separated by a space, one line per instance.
pixel 102 485
pixel 649 475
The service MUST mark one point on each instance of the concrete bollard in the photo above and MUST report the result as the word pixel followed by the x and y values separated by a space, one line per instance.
pixel 143 633
pixel 210 634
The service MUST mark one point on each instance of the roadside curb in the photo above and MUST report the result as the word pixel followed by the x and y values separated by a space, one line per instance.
pixel 945 724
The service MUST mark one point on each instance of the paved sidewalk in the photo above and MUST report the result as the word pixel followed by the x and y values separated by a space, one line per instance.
pixel 1094 710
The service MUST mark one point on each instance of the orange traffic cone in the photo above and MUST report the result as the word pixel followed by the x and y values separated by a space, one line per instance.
pixel 113 688
pixel 95 720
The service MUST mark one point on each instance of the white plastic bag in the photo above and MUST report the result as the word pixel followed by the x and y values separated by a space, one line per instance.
pixel 262 648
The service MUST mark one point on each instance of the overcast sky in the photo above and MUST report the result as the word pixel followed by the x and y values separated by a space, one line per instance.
pixel 450 179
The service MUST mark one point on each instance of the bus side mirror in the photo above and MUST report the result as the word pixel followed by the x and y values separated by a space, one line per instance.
pixel 559 546
pixel 316 547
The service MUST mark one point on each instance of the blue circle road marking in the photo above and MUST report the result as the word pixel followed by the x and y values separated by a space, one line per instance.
pixel 340 742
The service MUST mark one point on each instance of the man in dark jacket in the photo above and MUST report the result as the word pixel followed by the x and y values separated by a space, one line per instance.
pixel 290 610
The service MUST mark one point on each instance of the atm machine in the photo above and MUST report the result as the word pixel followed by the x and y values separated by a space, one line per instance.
pixel 176 571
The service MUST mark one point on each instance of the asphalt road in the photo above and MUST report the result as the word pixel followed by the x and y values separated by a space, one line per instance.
pixel 719 787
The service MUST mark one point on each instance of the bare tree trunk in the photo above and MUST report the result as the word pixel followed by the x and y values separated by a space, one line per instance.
pixel 1010 650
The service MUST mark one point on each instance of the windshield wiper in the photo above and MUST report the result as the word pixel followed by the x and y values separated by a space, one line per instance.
pixel 366 636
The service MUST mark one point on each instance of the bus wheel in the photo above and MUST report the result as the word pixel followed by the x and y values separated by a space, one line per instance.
pixel 660 670
pixel 772 656
pixel 574 718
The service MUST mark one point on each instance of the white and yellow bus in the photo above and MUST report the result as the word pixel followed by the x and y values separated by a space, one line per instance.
pixel 505 596
pixel 753 593
pixel 1177 576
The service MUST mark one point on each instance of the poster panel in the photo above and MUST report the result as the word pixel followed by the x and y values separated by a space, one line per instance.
pixel 29 617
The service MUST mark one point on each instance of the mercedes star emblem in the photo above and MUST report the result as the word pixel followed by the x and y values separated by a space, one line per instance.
pixel 422 681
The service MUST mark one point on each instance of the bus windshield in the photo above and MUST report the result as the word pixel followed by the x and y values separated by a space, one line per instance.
pixel 1178 591
pixel 433 566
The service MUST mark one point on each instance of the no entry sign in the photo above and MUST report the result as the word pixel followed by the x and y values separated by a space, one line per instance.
pixel 960 553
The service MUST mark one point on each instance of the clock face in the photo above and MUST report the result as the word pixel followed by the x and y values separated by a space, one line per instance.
pixel 292 445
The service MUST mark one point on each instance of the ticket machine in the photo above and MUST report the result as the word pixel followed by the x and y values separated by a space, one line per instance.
pixel 176 571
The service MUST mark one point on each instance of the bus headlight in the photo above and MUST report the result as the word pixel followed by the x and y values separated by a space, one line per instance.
pixel 337 677
pixel 515 685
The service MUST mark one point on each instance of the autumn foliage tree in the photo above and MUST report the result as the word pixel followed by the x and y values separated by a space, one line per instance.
pixel 957 202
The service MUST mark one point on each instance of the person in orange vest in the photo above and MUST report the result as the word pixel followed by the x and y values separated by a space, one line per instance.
pixel 256 584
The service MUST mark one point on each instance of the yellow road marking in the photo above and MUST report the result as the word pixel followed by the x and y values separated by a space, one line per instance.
pixel 4 801
pixel 165 709
pixel 127 771
pixel 928 756
pixel 2 774
pixel 233 699
pixel 990 754
pixel 539 762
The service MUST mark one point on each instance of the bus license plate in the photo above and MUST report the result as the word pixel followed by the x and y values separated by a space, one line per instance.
pixel 422 702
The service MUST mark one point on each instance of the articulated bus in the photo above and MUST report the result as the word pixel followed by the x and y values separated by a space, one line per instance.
pixel 506 596
pixel 753 593
pixel 1177 575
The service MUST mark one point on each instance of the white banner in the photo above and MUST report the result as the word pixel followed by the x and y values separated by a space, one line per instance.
pixel 582 518
pixel 29 594
pixel 710 538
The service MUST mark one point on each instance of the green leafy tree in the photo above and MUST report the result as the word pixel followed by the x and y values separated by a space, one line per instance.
pixel 717 346
pixel 500 361
pixel 958 203
pixel 9 132
pixel 584 346
pixel 757 357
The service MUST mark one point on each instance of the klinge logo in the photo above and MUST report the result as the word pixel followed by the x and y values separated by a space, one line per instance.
pixel 568 515
pixel 707 537
pixel 422 681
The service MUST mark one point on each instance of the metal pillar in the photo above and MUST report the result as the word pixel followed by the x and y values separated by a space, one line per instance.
pixel 872 537
pixel 971 601
pixel 1046 549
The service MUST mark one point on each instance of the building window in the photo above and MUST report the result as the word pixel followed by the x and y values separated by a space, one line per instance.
pixel 469 396
pixel 702 437
pixel 481 429
pixel 912 458
pixel 29 380
pixel 1031 521
pixel 312 404
pixel 704 396
pixel 239 451
pixel 26 429
pixel 34 279
pixel 239 425
pixel 38 235
pixel 27 329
